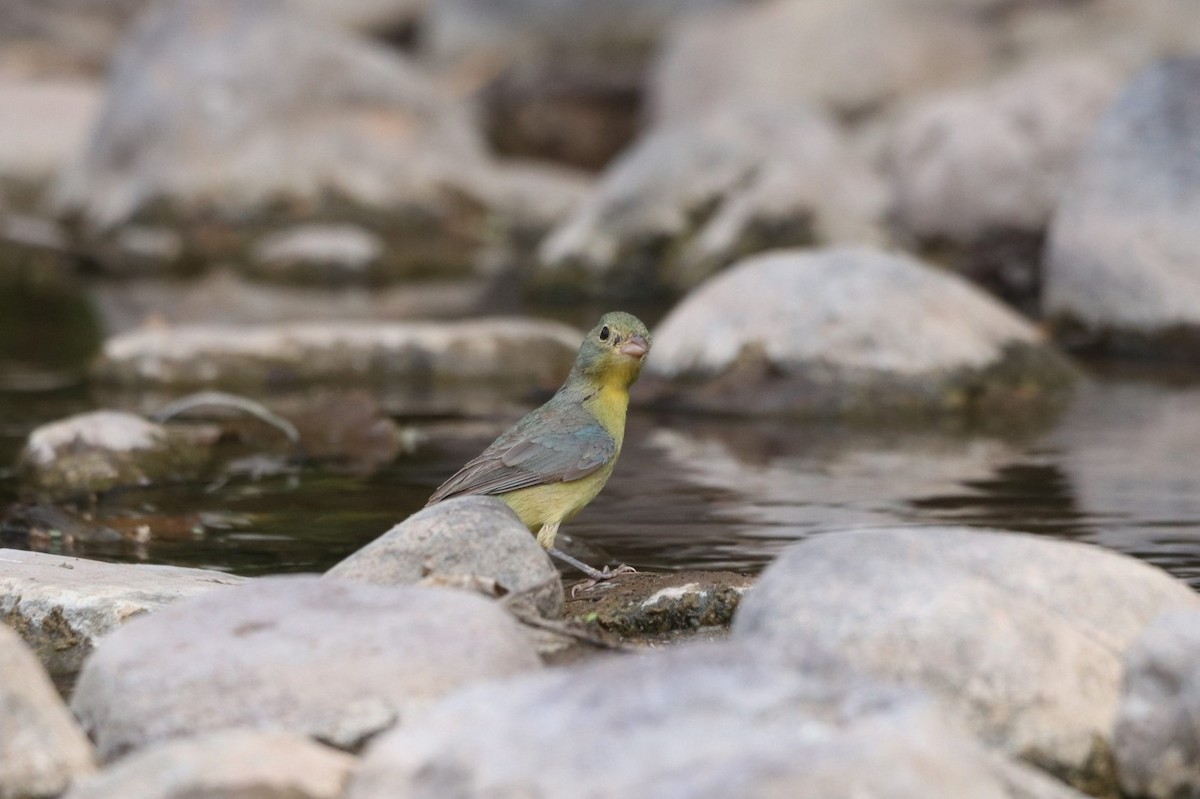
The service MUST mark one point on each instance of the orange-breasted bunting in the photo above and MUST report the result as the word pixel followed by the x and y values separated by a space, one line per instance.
pixel 554 461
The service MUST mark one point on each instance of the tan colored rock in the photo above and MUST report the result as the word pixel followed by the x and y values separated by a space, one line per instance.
pixel 247 764
pixel 42 749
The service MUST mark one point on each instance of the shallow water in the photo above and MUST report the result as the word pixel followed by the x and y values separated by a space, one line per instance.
pixel 1118 468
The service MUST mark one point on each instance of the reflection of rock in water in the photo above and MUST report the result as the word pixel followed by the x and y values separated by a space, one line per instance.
pixel 1131 450
pixel 815 478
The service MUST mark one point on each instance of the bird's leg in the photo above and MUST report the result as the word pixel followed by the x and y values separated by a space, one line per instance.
pixel 546 536
pixel 594 575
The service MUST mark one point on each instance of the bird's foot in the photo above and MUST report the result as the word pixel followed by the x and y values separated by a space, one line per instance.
pixel 597 576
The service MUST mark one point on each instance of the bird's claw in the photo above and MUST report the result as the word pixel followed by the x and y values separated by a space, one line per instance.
pixel 598 576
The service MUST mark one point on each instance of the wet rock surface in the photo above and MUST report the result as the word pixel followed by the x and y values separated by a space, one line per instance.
pixel 42 749
pixel 689 198
pixel 63 607
pixel 644 605
pixel 848 332
pixel 1023 635
pixel 1120 270
pixel 99 450
pixel 508 352
pixel 1156 744
pixel 333 660
pixel 705 721
pixel 242 763
pixel 466 536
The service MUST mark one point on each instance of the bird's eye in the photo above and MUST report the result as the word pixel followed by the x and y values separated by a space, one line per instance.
pixel 604 333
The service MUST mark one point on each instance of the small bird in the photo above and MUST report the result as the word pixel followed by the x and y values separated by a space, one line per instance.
pixel 554 461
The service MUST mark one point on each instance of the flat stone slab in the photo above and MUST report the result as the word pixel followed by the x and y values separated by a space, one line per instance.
pixel 62 606
pixel 646 605
pixel 504 351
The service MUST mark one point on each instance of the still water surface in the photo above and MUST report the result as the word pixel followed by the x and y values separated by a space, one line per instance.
pixel 1118 467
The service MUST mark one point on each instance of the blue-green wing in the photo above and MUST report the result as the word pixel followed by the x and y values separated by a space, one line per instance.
pixel 538 451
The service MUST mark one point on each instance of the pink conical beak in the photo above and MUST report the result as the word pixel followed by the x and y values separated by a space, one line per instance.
pixel 636 347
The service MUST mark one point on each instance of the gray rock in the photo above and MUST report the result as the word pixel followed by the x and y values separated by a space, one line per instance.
pixel 62 607
pixel 99 450
pixel 1157 740
pixel 689 198
pixel 228 118
pixel 974 162
pixel 333 660
pixel 320 253
pixel 478 536
pixel 707 721
pixel 65 36
pixel 852 332
pixel 222 296
pixel 1023 635
pixel 978 173
pixel 850 56
pixel 41 747
pixel 1124 35
pixel 504 352
pixel 1121 268
pixel 244 763
pixel 45 124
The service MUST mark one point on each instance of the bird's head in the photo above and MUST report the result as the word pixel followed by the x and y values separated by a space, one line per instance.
pixel 613 350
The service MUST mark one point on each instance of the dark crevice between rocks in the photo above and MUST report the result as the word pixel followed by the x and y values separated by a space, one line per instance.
pixel 1175 344
pixel 1006 262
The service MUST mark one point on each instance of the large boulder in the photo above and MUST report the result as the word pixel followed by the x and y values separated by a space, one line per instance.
pixel 468 536
pixel 1024 635
pixel 694 722
pixel 242 763
pixel 439 360
pixel 42 749
pixel 852 332
pixel 99 450
pixel 852 57
pixel 228 118
pixel 63 607
pixel 689 198
pixel 1157 738
pixel 979 172
pixel 1121 269
pixel 333 660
